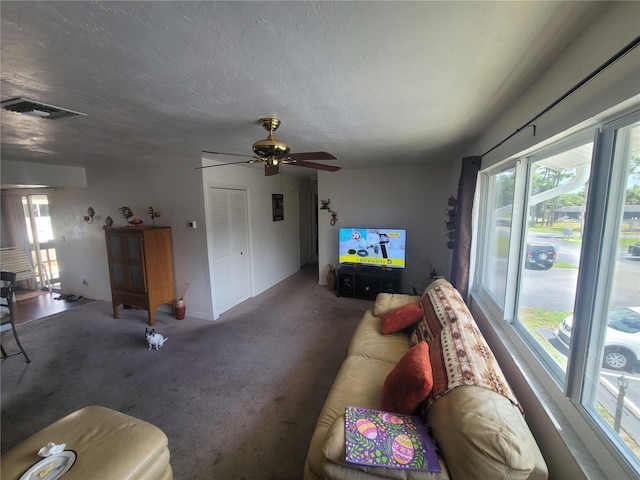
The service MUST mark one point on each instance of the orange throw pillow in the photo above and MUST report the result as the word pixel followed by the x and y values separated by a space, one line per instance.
pixel 409 383
pixel 401 317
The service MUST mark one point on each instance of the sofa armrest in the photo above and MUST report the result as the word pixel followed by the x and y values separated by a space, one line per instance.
pixel 388 301
pixel 481 434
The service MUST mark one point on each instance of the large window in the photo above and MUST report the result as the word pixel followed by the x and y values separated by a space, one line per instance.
pixel 559 259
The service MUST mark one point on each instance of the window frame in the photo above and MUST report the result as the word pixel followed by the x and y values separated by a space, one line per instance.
pixel 595 265
pixel 573 141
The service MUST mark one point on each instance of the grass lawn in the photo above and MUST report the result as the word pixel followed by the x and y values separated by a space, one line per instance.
pixel 541 317
pixel 561 264
pixel 534 318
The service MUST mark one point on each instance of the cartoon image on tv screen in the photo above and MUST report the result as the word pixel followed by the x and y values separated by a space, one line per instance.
pixel 373 246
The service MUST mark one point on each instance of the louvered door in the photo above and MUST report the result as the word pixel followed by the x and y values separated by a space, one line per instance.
pixel 231 268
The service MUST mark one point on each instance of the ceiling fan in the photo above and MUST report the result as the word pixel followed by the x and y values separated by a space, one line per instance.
pixel 273 152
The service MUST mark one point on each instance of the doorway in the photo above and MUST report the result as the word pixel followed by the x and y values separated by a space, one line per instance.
pixel 42 243
pixel 26 224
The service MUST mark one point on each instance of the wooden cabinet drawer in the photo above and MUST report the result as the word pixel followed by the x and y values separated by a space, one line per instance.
pixel 126 298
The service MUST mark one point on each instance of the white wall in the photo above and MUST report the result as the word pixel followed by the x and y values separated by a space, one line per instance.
pixel 175 191
pixel 26 173
pixel 413 198
pixel 615 27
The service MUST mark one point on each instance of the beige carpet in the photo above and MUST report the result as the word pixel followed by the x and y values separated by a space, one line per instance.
pixel 238 398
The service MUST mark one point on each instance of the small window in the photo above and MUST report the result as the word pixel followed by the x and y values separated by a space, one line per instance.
pixel 500 192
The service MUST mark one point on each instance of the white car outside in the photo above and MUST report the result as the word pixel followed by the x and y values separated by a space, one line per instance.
pixel 622 342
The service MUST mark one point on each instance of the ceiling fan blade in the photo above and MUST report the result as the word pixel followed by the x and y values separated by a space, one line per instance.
pixel 317 166
pixel 223 164
pixel 304 156
pixel 271 170
pixel 231 154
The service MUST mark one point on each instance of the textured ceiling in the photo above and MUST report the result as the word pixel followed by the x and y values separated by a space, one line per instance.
pixel 373 83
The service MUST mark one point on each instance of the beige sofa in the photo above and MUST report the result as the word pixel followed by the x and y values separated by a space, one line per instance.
pixel 479 429
pixel 108 445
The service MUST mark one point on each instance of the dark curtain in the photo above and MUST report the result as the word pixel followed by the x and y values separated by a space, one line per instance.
pixel 462 239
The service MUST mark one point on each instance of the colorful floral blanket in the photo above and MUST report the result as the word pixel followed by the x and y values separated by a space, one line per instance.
pixel 384 439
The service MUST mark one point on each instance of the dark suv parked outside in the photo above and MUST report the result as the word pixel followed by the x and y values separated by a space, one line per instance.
pixel 540 256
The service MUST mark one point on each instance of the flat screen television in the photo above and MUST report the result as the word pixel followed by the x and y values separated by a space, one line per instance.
pixel 374 247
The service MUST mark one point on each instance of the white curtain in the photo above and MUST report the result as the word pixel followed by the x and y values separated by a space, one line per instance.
pixel 14 227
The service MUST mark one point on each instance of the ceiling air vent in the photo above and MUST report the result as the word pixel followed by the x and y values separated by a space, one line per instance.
pixel 37 109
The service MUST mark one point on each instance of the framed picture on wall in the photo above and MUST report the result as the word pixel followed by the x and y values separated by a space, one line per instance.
pixel 277 202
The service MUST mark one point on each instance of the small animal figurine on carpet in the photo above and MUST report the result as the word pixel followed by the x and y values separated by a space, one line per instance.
pixel 155 340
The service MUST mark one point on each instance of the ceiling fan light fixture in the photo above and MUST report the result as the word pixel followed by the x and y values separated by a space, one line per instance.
pixel 270 147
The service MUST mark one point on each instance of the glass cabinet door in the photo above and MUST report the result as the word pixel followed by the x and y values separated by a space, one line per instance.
pixel 127 267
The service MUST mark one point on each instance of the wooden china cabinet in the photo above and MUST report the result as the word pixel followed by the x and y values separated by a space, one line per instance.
pixel 140 268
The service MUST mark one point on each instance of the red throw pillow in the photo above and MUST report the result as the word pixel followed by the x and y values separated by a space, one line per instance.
pixel 401 317
pixel 409 383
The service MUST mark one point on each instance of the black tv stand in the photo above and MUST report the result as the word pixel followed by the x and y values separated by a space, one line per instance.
pixel 367 282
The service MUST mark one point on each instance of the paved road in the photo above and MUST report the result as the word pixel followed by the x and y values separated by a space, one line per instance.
pixel 555 288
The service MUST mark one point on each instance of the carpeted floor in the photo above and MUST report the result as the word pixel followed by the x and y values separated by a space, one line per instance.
pixel 238 398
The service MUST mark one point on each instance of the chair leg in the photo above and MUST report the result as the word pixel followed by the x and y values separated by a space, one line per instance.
pixel 15 334
pixel 4 353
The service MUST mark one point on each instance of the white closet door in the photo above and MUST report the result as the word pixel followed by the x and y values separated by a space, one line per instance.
pixel 232 281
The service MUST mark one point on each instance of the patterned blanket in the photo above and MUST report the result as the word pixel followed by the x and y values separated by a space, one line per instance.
pixel 458 351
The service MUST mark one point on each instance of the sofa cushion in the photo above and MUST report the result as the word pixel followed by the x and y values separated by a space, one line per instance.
pixel 367 341
pixel 388 301
pixel 358 382
pixel 409 383
pixel 481 434
pixel 401 317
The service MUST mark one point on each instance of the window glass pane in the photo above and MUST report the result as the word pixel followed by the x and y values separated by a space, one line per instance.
pixel 115 244
pixel 137 277
pixel 133 248
pixel 551 249
pixel 500 193
pixel 611 387
pixel 42 218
